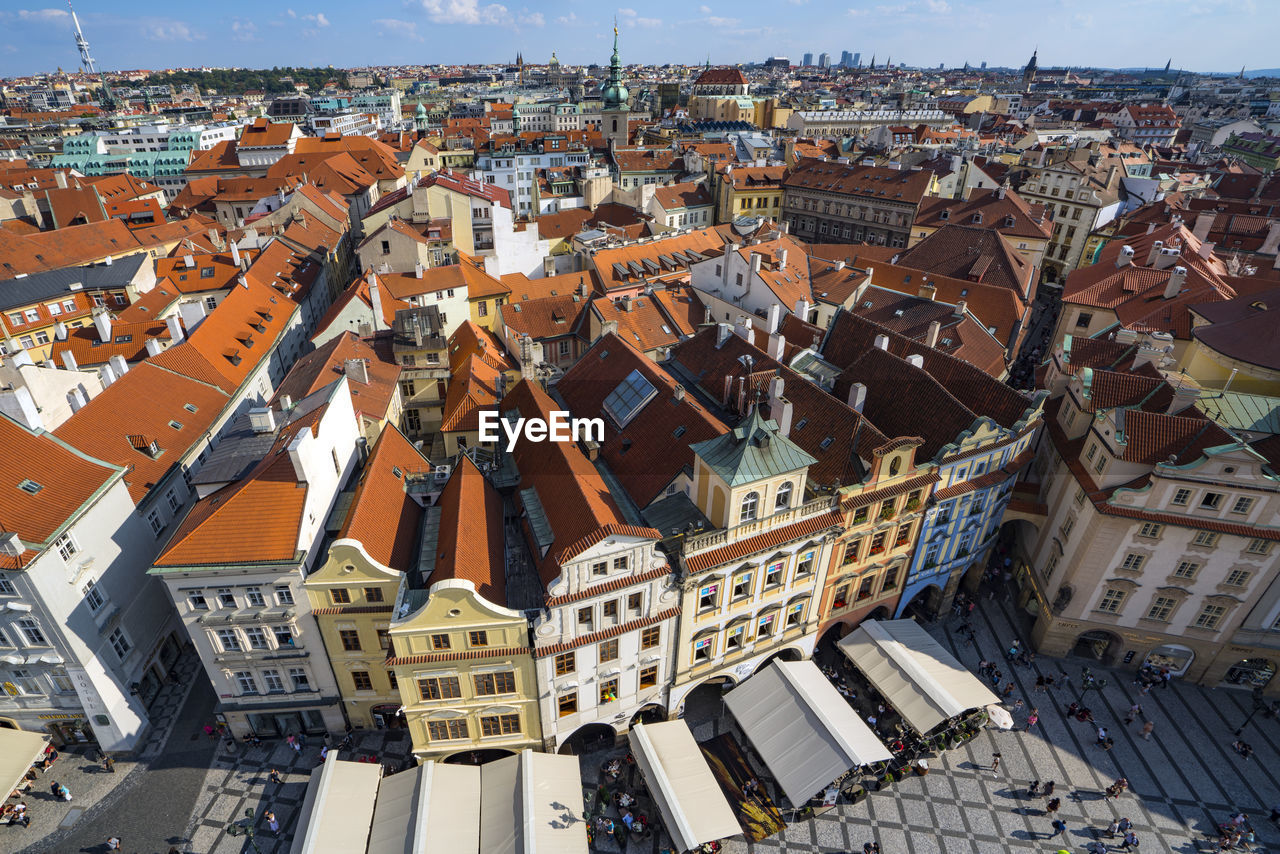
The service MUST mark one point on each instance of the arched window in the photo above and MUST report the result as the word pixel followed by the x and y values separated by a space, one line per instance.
pixel 783 500
pixel 750 502
pixel 894 465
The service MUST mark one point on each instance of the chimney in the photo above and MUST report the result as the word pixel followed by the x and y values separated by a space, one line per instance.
pixel 235 254
pixel 744 330
pixel 176 333
pixel 915 360
pixel 677 393
pixel 928 290
pixel 105 374
pixel 802 309
pixel 785 227
pixel 60 331
pixel 881 342
pixel 931 337
pixel 960 307
pixel 780 409
pixel 119 365
pixel 723 330
pixel 102 320
pixel 1185 394
pixel 188 261
pixel 777 346
pixel 1204 223
pixel 1125 258
pixel 1206 249
pixel 782 258
pixel 773 321
pixel 417 269
pixel 69 359
pixel 193 313
pixel 1177 279
pixel 375 299
pixel 857 396
pixel 626 303
pixel 1000 192
pixel 262 420
pixel 153 347
pixel 756 258
pixel 1154 253
pixel 60 178
pixel 356 370
pixel 76 399
pixel 840 264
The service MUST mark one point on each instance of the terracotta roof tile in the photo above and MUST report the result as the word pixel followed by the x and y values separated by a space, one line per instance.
pixel 471 545
pixel 971 253
pixel 326 364
pixel 764 542
pixel 606 634
pixel 383 517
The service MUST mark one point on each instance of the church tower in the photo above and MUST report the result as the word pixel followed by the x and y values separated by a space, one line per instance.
pixel 1029 73
pixel 616 100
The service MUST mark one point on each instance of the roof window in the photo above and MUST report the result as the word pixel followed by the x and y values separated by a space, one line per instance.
pixel 30 487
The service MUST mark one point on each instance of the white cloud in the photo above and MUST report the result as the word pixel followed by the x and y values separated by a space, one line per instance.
pixel 938 7
pixel 396 27
pixel 567 20
pixel 43 15
pixel 531 19
pixel 244 31
pixel 291 13
pixel 705 10
pixel 631 18
pixel 171 31
pixel 465 12
pixel 716 21
pixel 797 2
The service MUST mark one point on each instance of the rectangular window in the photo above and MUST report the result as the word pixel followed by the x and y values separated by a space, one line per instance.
pixel 742 586
pixel 650 637
pixel 764 628
pixel 734 639
pixel 609 650
pixel 1205 538
pixel 450 730
pixel 702 649
pixel 1258 547
pixel 805 566
pixel 1181 497
pixel 373 594
pixel 1238 577
pixel 226 598
pixel 93 598
pixel 384 638
pixel 350 639
pixel 120 643
pixel 439 688
pixel 1112 600
pixel 707 597
pixel 491 725
pixel 362 680
pixel 609 690
pixel 649 676
pixel 156 523
pixel 229 640
pixel 488 684
pixel 841 596
pixel 1186 569
pixel 1133 562
pixel 271 679
pixel 1100 464
pixel 478 638
pixel 1211 501
pixel 7 588
pixel 66 547
pixel 301 682
pixel 1150 530
pixel 795 614
pixel 635 602
pixel 391 678
pixel 340 596
pixel 620 564
pixel 254 597
pixel 257 638
pixel 1242 505
pixel 566 663
pixel 773 574
pixel 851 551
pixel 284 636
pixel 284 596
pixel 866 588
pixel 1210 617
pixel 609 610
pixel 890 580
pixel 586 617
pixel 600 568
pixel 440 642
pixel 246 683
pixel 1161 609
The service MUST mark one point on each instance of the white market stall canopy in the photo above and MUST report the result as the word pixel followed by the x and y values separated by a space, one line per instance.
pixel 910 669
pixel 525 804
pixel 804 730
pixel 338 808
pixel 19 750
pixel 693 807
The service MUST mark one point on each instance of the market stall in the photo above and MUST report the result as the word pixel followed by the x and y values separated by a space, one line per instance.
pixel 688 797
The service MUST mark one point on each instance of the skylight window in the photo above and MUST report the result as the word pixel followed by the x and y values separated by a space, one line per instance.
pixel 629 398
pixel 30 487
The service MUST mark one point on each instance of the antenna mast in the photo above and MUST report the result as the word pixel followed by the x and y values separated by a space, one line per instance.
pixel 81 43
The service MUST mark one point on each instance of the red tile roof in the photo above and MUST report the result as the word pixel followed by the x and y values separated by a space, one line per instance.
pixel 326 364
pixel 470 545
pixel 764 542
pixel 384 518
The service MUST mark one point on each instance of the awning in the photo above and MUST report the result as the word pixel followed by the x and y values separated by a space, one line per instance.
pixel 693 807
pixel 804 730
pixel 914 673
pixel 433 809
pixel 531 803
pixel 337 811
pixel 19 749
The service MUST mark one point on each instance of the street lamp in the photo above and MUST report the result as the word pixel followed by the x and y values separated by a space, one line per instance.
pixel 246 830
pixel 1259 705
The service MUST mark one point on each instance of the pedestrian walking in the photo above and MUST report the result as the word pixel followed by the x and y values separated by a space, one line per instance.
pixel 324 752
pixel 1048 788
pixel 1059 827
pixel 1124 825
pixel 108 763
pixel 1096 847
pixel 1008 689
pixel 1102 734
pixel 293 742
pixel 273 824
pixel 1147 728
pixel 210 731
pixel 1032 720
pixel 1033 789
pixel 995 762
pixel 302 739
pixel 113 843
pixel 274 777
pixel 1113 828
pixel 1130 841
pixel 871 848
pixel 1053 805
pixel 1135 711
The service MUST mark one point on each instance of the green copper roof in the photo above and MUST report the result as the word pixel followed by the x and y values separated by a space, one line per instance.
pixel 752 451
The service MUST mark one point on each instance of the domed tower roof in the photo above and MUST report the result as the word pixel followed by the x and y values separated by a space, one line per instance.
pixel 554 61
pixel 614 93
pixel 421 112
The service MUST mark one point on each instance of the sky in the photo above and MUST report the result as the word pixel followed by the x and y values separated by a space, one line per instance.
pixel 1199 35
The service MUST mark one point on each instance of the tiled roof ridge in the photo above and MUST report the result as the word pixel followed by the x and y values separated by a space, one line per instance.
pixel 608 586
pixel 606 634
pixel 763 541
pixel 610 530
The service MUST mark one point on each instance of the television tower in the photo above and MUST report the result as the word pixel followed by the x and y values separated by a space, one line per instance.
pixel 85 59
